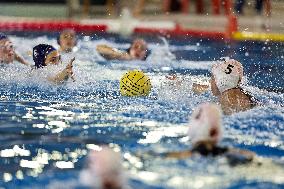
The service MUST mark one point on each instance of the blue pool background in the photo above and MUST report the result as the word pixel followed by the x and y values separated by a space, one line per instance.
pixel 58 123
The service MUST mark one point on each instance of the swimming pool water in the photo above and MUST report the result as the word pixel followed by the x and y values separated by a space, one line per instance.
pixel 46 130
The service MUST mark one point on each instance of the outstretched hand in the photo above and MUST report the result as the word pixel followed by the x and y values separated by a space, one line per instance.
pixel 111 53
pixel 69 69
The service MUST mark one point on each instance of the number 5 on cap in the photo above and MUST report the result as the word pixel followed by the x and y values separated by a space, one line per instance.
pixel 229 69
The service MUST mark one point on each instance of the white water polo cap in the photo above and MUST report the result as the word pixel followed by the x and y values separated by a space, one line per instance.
pixel 104 165
pixel 205 123
pixel 227 74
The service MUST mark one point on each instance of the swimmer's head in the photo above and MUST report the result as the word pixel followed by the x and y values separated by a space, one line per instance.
pixel 44 55
pixel 67 40
pixel 138 49
pixel 226 75
pixel 7 52
pixel 104 169
pixel 205 124
pixel 3 36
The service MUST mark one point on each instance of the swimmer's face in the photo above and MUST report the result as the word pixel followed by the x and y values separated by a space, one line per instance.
pixel 138 49
pixel 53 58
pixel 214 88
pixel 67 40
pixel 7 52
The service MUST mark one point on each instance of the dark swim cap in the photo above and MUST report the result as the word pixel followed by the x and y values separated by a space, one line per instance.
pixel 3 36
pixel 39 54
pixel 148 52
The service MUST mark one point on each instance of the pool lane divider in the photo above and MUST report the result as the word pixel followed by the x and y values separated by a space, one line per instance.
pixel 178 31
pixel 258 36
pixel 171 29
pixel 230 30
pixel 50 26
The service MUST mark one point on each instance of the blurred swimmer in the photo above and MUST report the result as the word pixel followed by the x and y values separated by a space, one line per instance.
pixel 104 170
pixel 205 132
pixel 137 51
pixel 67 40
pixel 225 83
pixel 45 55
pixel 7 51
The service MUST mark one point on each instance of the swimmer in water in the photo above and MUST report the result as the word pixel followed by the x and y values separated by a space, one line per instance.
pixel 45 55
pixel 7 51
pixel 225 84
pixel 205 132
pixel 104 170
pixel 67 40
pixel 137 51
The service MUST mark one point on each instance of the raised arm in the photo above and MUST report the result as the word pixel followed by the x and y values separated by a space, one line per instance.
pixel 178 155
pixel 64 74
pixel 112 53
pixel 198 88
pixel 20 59
pixel 237 156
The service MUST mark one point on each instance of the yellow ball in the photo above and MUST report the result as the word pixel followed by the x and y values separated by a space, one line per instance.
pixel 135 83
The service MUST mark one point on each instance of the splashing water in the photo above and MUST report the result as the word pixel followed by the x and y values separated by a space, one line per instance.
pixel 47 130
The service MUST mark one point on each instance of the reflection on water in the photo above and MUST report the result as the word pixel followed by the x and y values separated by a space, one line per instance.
pixel 46 131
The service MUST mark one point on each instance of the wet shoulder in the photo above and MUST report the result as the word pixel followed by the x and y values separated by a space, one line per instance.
pixel 236 100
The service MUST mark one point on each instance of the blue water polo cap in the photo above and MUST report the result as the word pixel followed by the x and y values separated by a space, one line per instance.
pixel 3 36
pixel 39 54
